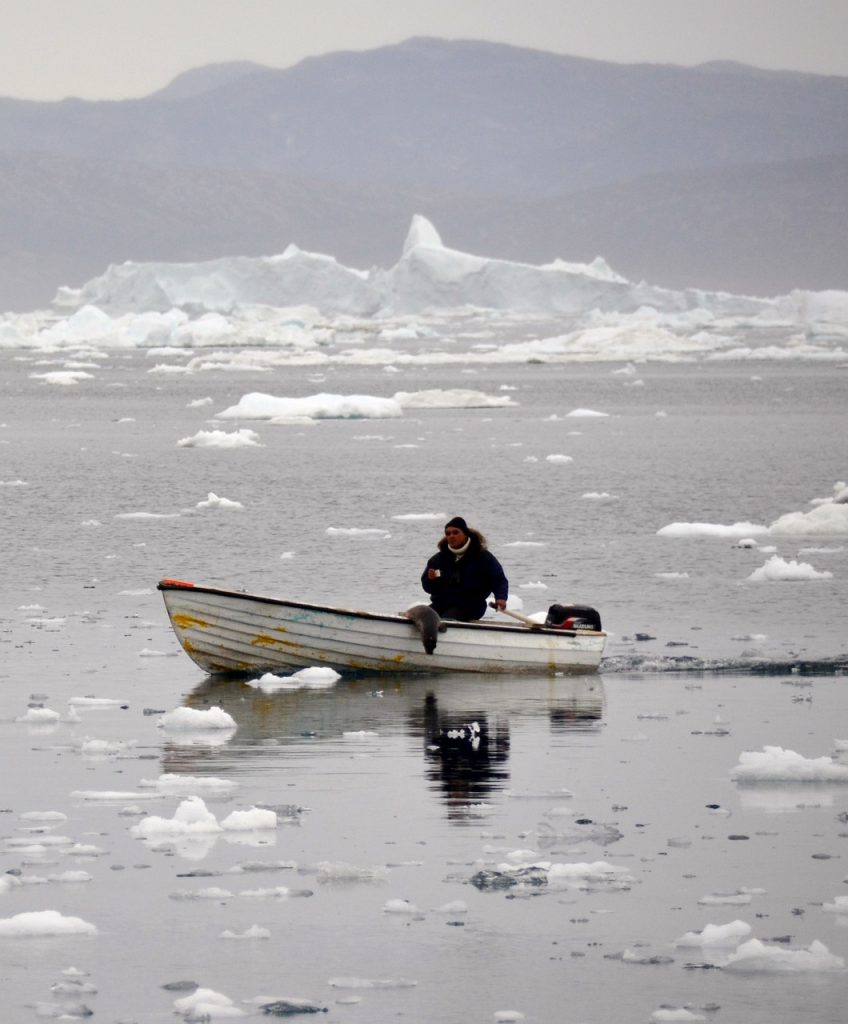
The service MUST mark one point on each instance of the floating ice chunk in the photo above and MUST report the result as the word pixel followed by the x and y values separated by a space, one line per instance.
pixel 775 764
pixel 557 458
pixel 191 719
pixel 259 406
pixel 243 438
pixel 148 515
pixel 197 403
pixel 213 501
pixel 504 1016
pixel 191 816
pixel 533 585
pixel 586 413
pixel 585 875
pixel 74 877
pixel 103 748
pixel 277 892
pixel 250 820
pixel 45 816
pixel 35 924
pixel 453 398
pixel 64 378
pixel 732 899
pixel 369 532
pixel 376 983
pixel 359 734
pixel 672 575
pixel 839 906
pixel 779 569
pixel 755 956
pixel 330 871
pixel 108 795
pixel 710 530
pixel 39 716
pixel 253 932
pixel 599 496
pixel 421 516
pixel 454 907
pixel 188 785
pixel 316 677
pixel 716 936
pixel 400 907
pixel 95 702
pixel 829 519
pixel 212 892
pixel 205 1004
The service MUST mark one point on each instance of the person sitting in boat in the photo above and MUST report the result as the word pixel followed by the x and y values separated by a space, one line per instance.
pixel 463 573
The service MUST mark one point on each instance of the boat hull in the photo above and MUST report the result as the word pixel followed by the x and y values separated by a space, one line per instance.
pixel 227 631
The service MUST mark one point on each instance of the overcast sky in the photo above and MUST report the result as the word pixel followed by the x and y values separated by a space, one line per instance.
pixel 111 49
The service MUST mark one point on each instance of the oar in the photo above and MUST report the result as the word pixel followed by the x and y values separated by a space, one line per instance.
pixel 517 615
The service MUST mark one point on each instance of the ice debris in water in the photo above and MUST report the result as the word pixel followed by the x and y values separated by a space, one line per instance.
pixel 187 785
pixel 329 871
pixel 755 956
pixel 254 932
pixel 375 983
pixel 189 719
pixel 778 569
pixel 243 438
pixel 598 874
pixel 716 936
pixel 399 907
pixel 315 677
pixel 205 1004
pixel 291 1007
pixel 775 764
pixel 193 816
pixel 35 924
pixel 39 716
pixel 213 501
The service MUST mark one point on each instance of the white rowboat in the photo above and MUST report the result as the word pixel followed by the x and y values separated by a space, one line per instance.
pixel 230 631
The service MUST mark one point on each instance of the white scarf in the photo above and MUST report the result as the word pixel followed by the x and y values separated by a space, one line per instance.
pixel 459 552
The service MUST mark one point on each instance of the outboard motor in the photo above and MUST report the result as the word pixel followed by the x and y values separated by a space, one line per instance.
pixel 573 616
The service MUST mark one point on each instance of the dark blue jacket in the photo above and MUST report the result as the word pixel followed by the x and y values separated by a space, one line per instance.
pixel 461 591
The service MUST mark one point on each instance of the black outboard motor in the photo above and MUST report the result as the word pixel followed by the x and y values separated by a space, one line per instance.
pixel 572 616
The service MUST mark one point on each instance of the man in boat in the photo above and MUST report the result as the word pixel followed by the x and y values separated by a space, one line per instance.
pixel 463 573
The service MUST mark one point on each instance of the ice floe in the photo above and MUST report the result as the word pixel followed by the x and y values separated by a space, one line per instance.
pixel 775 764
pixel 41 923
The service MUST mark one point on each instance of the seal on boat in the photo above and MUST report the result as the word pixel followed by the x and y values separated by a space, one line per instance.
pixel 426 620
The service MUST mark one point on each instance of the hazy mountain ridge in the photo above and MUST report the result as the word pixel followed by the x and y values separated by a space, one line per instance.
pixel 510 152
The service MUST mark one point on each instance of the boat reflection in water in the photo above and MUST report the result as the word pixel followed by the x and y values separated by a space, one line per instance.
pixel 466 756
pixel 460 722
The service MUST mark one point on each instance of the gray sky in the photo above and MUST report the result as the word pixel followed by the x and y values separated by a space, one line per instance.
pixel 111 49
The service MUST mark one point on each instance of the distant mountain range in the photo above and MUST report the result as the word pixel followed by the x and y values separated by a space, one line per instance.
pixel 720 176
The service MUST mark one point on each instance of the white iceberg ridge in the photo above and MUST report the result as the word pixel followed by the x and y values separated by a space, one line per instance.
pixel 427 276
pixel 304 309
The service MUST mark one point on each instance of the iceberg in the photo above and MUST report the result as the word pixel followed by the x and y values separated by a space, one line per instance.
pixel 428 276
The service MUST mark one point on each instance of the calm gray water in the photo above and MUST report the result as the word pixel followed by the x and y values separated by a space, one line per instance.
pixel 646 753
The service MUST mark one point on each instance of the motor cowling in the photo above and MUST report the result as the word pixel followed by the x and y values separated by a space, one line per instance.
pixel 573 616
